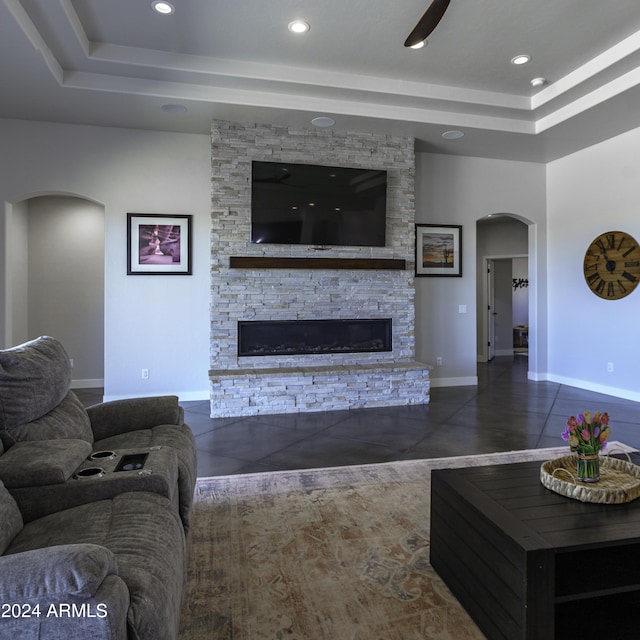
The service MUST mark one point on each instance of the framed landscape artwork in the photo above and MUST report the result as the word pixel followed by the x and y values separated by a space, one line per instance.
pixel 438 250
pixel 158 244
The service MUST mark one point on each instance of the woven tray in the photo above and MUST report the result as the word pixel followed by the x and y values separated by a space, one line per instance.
pixel 619 480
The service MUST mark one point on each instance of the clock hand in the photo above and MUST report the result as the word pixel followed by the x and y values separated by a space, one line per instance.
pixel 611 264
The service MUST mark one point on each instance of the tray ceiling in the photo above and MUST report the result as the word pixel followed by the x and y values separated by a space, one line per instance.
pixel 117 63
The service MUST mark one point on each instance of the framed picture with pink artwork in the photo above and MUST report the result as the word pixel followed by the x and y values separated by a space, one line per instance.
pixel 158 244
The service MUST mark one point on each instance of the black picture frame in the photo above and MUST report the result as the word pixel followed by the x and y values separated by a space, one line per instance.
pixel 158 244
pixel 439 250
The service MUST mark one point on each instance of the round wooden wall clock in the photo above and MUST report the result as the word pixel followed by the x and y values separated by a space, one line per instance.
pixel 612 265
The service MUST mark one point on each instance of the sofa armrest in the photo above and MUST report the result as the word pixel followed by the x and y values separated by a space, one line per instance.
pixel 37 502
pixel 37 463
pixel 52 572
pixel 119 416
pixel 66 591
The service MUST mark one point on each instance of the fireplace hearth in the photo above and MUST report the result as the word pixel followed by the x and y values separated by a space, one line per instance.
pixel 302 337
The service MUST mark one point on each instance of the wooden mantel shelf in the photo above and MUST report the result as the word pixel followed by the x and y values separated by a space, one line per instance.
pixel 283 262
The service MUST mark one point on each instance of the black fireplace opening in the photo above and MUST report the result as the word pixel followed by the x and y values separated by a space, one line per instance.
pixel 300 337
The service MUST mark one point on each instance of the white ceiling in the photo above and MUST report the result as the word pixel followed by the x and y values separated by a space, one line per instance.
pixel 116 62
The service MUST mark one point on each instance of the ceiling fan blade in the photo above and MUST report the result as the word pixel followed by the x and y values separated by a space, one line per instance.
pixel 427 23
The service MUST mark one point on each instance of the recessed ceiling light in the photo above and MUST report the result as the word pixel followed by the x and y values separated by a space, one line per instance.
pixel 299 26
pixel 419 45
pixel 174 108
pixel 454 134
pixel 521 59
pixel 165 8
pixel 323 121
pixel 538 82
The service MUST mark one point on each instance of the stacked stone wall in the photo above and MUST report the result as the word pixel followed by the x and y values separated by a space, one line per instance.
pixel 307 294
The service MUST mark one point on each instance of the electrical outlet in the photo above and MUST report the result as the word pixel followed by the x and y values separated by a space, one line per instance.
pixel 610 367
pixel 439 361
pixel 145 374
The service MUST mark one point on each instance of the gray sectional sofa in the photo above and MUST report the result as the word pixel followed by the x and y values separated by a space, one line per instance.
pixel 107 570
pixel 94 506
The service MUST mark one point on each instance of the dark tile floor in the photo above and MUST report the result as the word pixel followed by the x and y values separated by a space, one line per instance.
pixel 504 412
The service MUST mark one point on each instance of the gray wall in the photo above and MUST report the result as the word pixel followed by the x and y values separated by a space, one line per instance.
pixel 17 255
pixel 589 193
pixel 462 190
pixel 159 323
pixel 66 280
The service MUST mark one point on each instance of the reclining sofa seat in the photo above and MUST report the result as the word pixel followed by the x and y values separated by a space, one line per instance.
pixel 48 428
pixel 107 570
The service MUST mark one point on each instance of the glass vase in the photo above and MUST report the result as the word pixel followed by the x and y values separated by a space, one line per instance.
pixel 588 467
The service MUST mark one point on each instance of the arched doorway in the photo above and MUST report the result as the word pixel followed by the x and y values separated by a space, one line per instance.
pixel 55 278
pixel 503 294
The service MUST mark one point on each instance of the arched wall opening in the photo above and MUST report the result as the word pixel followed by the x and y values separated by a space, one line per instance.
pixel 506 287
pixel 54 277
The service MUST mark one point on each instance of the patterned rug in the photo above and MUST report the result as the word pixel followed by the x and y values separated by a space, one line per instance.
pixel 339 554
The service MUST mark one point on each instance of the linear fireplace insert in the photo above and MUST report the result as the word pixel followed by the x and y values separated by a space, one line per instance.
pixel 299 337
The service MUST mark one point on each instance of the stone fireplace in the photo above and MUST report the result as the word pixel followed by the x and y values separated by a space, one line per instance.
pixel 257 288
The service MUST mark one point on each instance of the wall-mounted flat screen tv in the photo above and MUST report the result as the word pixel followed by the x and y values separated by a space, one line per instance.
pixel 317 205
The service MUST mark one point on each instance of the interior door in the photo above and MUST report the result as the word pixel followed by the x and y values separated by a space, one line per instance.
pixel 491 314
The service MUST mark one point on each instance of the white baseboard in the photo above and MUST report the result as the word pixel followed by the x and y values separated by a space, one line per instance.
pixel 625 394
pixel 194 396
pixel 184 396
pixel 455 382
pixel 87 383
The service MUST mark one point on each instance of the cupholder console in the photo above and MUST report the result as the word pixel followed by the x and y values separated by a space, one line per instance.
pixel 124 460
pixel 103 455
pixel 103 475
pixel 90 472
pixel 132 462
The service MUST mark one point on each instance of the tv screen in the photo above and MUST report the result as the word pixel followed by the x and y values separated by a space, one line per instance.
pixel 317 205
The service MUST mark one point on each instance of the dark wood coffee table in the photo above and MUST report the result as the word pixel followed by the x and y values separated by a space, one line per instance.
pixel 529 564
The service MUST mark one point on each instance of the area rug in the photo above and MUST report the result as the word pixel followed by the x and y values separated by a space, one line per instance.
pixel 339 553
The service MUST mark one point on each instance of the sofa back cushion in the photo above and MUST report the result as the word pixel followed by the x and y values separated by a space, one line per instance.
pixel 35 400
pixel 10 519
